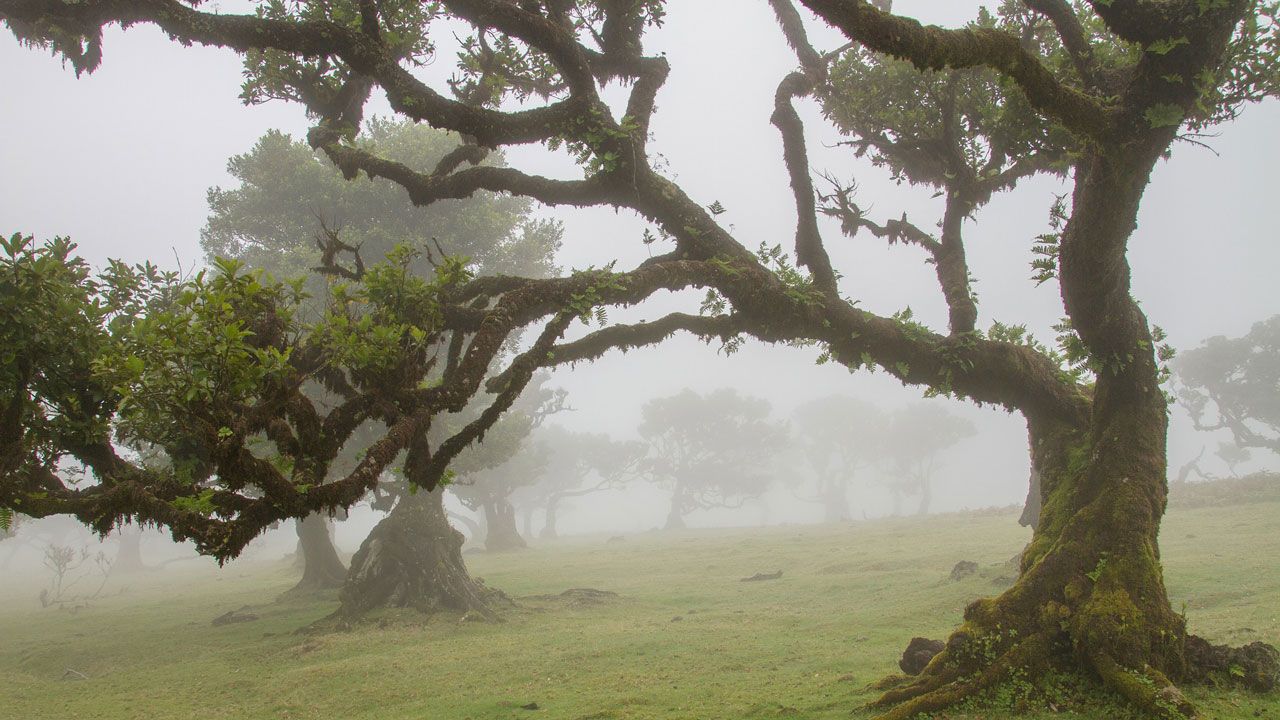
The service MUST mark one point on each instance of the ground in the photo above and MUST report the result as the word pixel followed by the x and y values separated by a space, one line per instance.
pixel 684 639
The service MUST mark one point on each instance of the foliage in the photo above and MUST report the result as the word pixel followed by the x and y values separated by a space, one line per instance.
pixel 577 463
pixel 289 194
pixel 1100 89
pixel 204 369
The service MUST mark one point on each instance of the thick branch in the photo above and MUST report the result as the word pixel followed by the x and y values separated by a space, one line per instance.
pixel 935 48
pixel 809 249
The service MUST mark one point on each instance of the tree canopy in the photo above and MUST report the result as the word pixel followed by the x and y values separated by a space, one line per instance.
pixel 290 197
pixel 1233 384
pixel 713 450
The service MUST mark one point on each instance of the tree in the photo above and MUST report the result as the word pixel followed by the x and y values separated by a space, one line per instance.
pixel 322 569
pixel 1116 83
pixel 839 435
pixel 1234 385
pixel 292 203
pixel 576 464
pixel 487 480
pixel 916 436
pixel 289 194
pixel 490 473
pixel 712 450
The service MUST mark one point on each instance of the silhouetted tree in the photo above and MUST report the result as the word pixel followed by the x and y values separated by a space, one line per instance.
pixel 576 464
pixel 1234 385
pixel 839 436
pixel 713 450
pixel 916 436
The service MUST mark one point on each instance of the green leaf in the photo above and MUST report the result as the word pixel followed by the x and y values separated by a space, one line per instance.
pixel 1164 115
pixel 1166 45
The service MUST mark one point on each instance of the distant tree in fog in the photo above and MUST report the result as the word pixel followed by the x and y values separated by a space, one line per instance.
pixel 839 435
pixel 488 474
pixel 577 464
pixel 287 194
pixel 713 450
pixel 916 436
pixel 1233 384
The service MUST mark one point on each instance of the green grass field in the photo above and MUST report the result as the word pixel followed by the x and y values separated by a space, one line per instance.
pixel 684 639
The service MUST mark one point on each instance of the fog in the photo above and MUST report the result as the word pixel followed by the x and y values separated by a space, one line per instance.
pixel 120 160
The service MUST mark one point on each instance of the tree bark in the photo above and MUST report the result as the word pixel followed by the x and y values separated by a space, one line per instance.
pixel 473 528
pixel 1091 593
pixel 1031 507
pixel 322 569
pixel 413 558
pixel 501 535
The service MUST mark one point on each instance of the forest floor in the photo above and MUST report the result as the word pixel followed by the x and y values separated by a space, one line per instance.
pixel 683 639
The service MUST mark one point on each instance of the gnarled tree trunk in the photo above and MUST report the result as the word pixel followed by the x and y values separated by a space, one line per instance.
pixel 926 495
pixel 474 530
pixel 413 558
pixel 322 569
pixel 1091 593
pixel 526 514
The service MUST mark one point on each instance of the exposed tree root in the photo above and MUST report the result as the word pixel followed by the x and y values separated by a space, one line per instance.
pixel 945 682
pixel 976 661
pixel 1147 689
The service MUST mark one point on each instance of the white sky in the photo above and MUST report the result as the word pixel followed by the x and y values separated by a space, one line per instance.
pixel 120 160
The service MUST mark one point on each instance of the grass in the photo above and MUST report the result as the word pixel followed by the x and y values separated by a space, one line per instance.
pixel 684 639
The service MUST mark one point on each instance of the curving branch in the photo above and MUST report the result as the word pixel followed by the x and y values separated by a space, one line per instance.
pixel 810 251
pixel 934 48
pixel 305 38
pixel 424 188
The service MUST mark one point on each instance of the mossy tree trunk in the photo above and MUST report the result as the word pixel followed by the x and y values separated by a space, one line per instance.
pixel 322 569
pixel 413 559
pixel 1091 592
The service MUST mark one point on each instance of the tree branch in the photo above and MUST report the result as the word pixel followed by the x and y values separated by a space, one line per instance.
pixel 935 48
